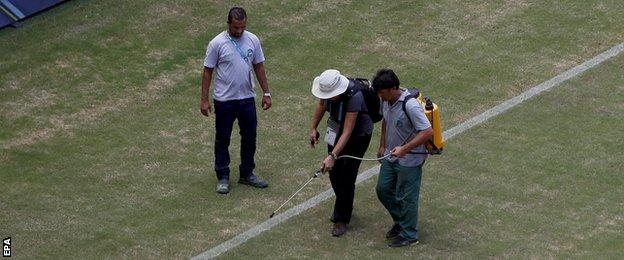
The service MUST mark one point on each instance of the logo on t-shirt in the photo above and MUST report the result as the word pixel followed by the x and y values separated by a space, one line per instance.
pixel 399 123
pixel 249 53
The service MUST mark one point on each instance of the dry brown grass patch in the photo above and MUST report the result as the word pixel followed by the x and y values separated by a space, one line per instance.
pixel 66 123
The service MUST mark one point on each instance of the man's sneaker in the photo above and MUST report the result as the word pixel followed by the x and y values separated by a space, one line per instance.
pixel 339 229
pixel 400 241
pixel 223 187
pixel 394 231
pixel 254 181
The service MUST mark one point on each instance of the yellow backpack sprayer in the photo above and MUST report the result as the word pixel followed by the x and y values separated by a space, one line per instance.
pixel 432 111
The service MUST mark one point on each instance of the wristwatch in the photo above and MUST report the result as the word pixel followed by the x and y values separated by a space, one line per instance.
pixel 333 156
pixel 268 94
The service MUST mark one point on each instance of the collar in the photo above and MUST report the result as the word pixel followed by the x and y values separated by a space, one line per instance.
pixel 402 97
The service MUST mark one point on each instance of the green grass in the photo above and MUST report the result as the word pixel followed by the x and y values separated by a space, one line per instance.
pixel 540 181
pixel 105 152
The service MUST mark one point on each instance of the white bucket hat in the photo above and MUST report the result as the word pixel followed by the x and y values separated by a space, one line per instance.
pixel 329 84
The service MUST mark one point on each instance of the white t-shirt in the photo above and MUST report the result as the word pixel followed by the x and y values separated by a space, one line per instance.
pixel 233 75
pixel 399 129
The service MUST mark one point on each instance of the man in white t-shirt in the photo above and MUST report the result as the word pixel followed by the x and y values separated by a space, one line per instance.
pixel 404 131
pixel 234 56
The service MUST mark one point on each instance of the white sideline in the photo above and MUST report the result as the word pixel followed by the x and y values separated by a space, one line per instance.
pixel 448 134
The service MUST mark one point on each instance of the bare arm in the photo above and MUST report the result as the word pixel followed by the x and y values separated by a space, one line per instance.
pixel 264 84
pixel 205 106
pixel 261 76
pixel 319 112
pixel 382 140
pixel 347 130
pixel 420 138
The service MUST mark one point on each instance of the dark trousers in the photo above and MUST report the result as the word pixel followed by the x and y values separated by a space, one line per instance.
pixel 398 189
pixel 343 176
pixel 225 113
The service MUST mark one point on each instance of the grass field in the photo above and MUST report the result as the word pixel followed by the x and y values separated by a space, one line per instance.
pixel 545 185
pixel 104 152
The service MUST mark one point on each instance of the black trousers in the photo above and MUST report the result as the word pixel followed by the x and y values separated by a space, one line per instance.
pixel 344 174
pixel 226 112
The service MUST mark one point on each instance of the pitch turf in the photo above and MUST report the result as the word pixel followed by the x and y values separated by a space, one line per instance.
pixel 540 181
pixel 105 153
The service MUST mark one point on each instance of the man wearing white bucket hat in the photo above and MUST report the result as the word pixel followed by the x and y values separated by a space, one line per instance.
pixel 349 130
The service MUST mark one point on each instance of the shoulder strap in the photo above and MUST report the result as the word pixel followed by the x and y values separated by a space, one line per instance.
pixel 407 98
pixel 352 89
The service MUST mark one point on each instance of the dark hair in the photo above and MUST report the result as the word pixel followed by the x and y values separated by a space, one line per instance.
pixel 385 79
pixel 237 13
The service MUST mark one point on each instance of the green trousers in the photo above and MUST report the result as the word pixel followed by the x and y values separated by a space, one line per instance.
pixel 398 189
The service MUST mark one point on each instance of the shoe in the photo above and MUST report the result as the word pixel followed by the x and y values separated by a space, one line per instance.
pixel 400 241
pixel 223 187
pixel 394 231
pixel 254 181
pixel 339 229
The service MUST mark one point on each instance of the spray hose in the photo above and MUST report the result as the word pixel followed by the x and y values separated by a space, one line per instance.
pixel 320 173
pixel 363 159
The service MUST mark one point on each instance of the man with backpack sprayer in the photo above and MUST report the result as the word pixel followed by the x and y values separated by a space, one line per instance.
pixel 349 130
pixel 405 131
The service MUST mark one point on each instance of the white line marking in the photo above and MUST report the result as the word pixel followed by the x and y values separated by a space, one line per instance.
pixel 294 211
pixel 277 219
pixel 546 85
